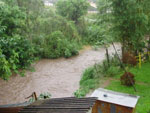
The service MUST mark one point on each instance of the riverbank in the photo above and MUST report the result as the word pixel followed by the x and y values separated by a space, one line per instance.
pixel 60 77
pixel 90 81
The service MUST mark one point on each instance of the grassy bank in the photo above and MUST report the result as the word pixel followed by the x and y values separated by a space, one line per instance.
pixel 142 77
pixel 94 75
pixel 92 80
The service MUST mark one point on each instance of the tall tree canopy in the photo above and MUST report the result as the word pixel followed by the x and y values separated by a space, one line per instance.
pixel 28 30
pixel 130 22
pixel 72 9
pixel 11 19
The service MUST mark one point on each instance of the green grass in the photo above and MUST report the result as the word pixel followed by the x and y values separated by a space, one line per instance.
pixel 142 74
pixel 87 82
pixel 142 77
pixel 93 77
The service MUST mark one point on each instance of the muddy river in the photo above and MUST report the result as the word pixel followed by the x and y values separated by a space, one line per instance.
pixel 59 77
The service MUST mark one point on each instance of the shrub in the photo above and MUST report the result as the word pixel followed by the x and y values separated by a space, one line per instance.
pixel 53 45
pixel 88 74
pixel 51 24
pixel 80 93
pixel 45 95
pixel 42 96
pixel 18 50
pixel 112 70
pixel 12 19
pixel 91 76
pixel 4 67
pixel 127 79
pixel 71 49
pixel 88 81
pixel 95 34
pixel 54 23
pixel 17 53
pixel 129 58
pixel 57 45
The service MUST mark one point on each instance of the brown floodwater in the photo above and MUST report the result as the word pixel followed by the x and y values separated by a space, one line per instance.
pixel 60 77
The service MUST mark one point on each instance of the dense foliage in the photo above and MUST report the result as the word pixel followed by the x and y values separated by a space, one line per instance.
pixel 72 9
pixel 93 76
pixel 56 45
pixel 11 20
pixel 130 23
pixel 99 29
pixel 29 29
pixel 15 49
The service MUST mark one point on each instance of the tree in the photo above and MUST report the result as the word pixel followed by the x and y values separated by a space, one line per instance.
pixel 105 18
pixel 15 49
pixel 72 9
pixel 130 23
pixel 33 10
pixel 104 8
pixel 11 19
pixel 146 10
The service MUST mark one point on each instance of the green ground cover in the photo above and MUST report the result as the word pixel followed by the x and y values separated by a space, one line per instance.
pixel 142 77
pixel 94 77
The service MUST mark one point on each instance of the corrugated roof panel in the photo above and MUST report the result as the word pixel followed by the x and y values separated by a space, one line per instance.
pixel 61 105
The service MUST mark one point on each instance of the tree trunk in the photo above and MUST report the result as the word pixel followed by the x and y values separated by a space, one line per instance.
pixel 123 46
pixel 19 3
pixel 107 55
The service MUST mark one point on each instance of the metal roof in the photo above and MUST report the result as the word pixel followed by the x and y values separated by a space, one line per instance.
pixel 61 105
pixel 115 97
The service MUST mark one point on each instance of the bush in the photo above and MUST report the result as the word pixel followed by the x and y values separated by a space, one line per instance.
pixel 17 53
pixel 71 49
pixel 42 96
pixel 91 76
pixel 88 74
pixel 53 46
pixel 57 45
pixel 53 29
pixel 4 67
pixel 127 79
pixel 17 50
pixel 80 93
pixel 12 19
pixel 95 34
pixel 112 70
pixel 129 58
pixel 45 95
pixel 89 80
pixel 54 23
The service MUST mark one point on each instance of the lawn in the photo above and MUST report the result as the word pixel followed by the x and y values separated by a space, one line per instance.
pixel 93 78
pixel 142 77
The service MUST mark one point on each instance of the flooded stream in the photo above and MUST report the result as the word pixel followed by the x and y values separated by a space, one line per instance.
pixel 59 77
